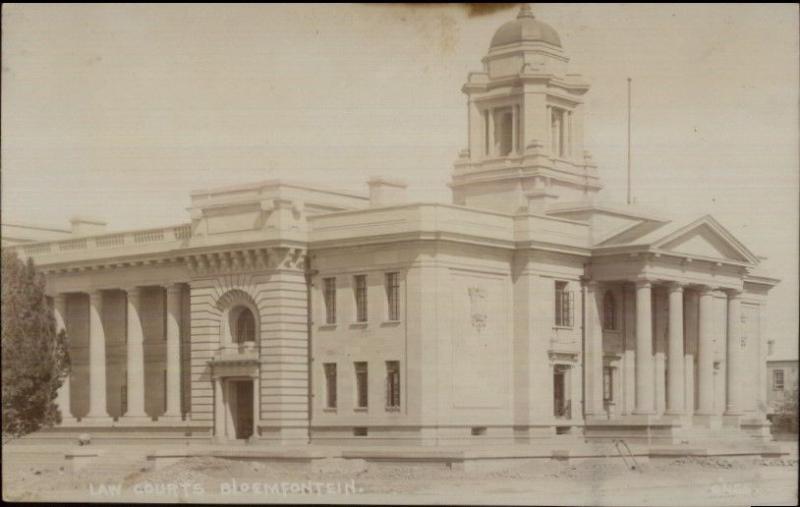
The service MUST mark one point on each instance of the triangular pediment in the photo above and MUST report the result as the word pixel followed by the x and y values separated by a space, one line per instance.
pixel 705 238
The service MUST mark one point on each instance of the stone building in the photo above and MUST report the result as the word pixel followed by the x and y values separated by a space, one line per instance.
pixel 528 308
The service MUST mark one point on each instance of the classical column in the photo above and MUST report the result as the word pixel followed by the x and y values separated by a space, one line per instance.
pixel 675 359
pixel 690 349
pixel 645 389
pixel 63 396
pixel 705 353
pixel 97 358
pixel 135 349
pixel 735 382
pixel 492 134
pixel 219 409
pixel 514 131
pixel 629 365
pixel 173 317
pixel 594 351
pixel 256 405
pixel 660 324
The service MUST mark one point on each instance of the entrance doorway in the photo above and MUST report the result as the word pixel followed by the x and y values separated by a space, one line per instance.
pixel 243 408
pixel 237 409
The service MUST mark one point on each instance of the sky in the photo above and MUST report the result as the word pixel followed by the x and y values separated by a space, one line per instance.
pixel 118 112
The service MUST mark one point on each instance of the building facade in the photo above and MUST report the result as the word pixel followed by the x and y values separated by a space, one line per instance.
pixel 782 382
pixel 527 308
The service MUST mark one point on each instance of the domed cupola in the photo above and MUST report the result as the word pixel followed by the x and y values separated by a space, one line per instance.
pixel 525 144
pixel 526 28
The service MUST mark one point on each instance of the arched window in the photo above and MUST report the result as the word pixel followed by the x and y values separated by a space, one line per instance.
pixel 245 327
pixel 609 312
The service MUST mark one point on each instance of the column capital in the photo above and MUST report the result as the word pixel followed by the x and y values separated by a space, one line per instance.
pixel 95 295
pixel 733 293
pixel 173 287
pixel 705 290
pixel 641 283
pixel 674 286
pixel 591 284
pixel 132 290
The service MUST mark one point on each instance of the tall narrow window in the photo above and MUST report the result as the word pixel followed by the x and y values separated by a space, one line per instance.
pixel 360 288
pixel 392 384
pixel 362 387
pixel 393 296
pixel 245 326
pixel 329 290
pixel 777 380
pixel 562 407
pixel 123 394
pixel 330 385
pixel 608 384
pixel 563 305
pixel 503 131
pixel 609 311
pixel 558 132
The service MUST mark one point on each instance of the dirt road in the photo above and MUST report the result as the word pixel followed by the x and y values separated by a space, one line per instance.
pixel 45 477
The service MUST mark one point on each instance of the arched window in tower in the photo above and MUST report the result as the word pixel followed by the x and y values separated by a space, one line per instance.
pixel 503 131
pixel 609 312
pixel 558 132
pixel 245 327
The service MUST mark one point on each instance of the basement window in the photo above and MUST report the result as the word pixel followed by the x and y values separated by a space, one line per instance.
pixel 478 431
pixel 360 432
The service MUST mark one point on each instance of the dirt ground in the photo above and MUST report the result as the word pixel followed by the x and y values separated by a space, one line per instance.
pixel 682 481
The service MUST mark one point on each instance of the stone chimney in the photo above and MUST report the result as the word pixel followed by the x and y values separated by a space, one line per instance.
pixel 82 226
pixel 386 192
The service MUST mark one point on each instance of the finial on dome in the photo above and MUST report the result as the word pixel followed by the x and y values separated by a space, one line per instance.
pixel 525 12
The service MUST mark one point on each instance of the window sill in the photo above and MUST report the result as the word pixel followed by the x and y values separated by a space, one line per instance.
pixel 393 409
pixel 325 327
pixel 564 327
pixel 390 323
pixel 360 409
pixel 329 410
pixel 359 325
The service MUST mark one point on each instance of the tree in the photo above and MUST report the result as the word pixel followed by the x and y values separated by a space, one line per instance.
pixel 785 418
pixel 35 359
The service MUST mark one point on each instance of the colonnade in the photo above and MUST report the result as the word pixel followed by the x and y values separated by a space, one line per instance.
pixel 678 398
pixel 98 405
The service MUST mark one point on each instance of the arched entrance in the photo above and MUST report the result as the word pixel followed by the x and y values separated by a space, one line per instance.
pixel 235 370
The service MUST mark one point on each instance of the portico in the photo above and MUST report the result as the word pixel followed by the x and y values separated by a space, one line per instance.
pixel 117 391
pixel 683 341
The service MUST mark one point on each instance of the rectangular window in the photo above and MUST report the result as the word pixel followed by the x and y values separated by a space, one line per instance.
pixel 608 384
pixel 563 305
pixel 393 296
pixel 777 380
pixel 330 385
pixel 561 402
pixel 329 291
pixel 360 288
pixel 362 387
pixel 392 384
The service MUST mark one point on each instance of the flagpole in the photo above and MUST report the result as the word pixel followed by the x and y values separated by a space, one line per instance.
pixel 629 140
